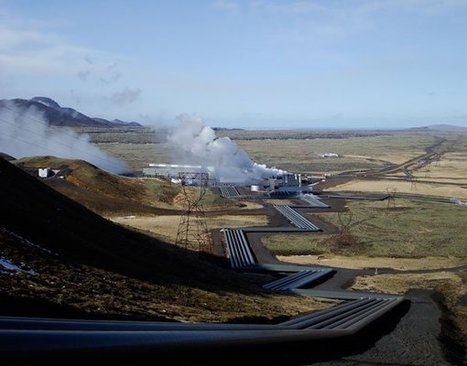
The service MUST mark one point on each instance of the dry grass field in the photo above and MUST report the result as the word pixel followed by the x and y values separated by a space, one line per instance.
pixel 362 261
pixel 354 152
pixel 281 202
pixel 451 168
pixel 450 283
pixel 383 185
pixel 165 227
pixel 138 156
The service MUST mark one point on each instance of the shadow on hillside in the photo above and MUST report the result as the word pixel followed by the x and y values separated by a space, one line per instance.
pixel 51 220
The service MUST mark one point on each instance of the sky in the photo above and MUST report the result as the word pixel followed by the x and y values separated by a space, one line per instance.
pixel 248 64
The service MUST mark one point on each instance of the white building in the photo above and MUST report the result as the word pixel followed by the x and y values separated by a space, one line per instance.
pixel 44 172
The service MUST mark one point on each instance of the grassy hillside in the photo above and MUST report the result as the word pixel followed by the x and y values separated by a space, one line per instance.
pixel 109 194
pixel 75 262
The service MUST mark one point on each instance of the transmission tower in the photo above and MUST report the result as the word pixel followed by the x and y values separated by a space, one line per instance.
pixel 391 197
pixel 193 233
pixel 413 183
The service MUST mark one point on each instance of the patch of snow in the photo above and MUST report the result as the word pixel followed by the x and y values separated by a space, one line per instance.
pixel 9 266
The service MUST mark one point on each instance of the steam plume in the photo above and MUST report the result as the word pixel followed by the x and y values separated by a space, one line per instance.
pixel 27 133
pixel 196 143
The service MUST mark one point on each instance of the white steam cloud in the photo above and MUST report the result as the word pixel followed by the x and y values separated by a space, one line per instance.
pixel 27 133
pixel 196 143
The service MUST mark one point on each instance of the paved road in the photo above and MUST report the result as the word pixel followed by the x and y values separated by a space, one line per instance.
pixel 413 341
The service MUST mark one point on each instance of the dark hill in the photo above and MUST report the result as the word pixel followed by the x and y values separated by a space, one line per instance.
pixel 6 156
pixel 61 116
pixel 55 222
pixel 84 264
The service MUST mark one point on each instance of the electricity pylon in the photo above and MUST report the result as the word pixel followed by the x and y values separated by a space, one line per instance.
pixel 193 233
pixel 391 198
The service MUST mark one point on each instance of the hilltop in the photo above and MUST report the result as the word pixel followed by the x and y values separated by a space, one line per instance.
pixel 57 115
pixel 109 194
pixel 99 190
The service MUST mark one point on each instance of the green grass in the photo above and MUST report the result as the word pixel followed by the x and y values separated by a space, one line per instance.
pixel 160 191
pixel 411 230
pixel 296 244
pixel 214 200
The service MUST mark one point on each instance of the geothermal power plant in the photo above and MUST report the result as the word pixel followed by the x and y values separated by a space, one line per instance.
pixel 282 183
pixel 221 163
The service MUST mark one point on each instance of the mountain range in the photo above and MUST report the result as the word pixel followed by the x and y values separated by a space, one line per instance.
pixel 57 115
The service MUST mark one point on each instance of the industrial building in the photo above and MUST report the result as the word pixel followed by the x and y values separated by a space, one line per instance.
pixel 288 184
pixel 282 185
pixel 47 172
pixel 44 172
pixel 174 170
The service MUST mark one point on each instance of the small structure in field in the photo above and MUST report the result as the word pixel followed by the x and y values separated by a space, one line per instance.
pixel 45 172
pixel 329 155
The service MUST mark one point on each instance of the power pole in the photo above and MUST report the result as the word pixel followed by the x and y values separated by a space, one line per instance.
pixel 193 233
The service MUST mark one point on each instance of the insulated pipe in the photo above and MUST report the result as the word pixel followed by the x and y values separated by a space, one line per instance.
pixel 345 315
pixel 52 342
pixel 313 318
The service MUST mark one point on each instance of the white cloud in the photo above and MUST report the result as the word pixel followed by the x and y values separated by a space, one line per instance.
pixel 290 7
pixel 126 96
pixel 84 74
pixel 27 52
pixel 35 60
pixel 226 5
pixel 104 72
pixel 14 38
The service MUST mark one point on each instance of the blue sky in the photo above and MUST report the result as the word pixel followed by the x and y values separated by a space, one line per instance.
pixel 253 64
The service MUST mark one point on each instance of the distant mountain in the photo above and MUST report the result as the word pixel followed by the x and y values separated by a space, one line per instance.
pixel 61 116
pixel 227 129
pixel 446 127
pixel 441 127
